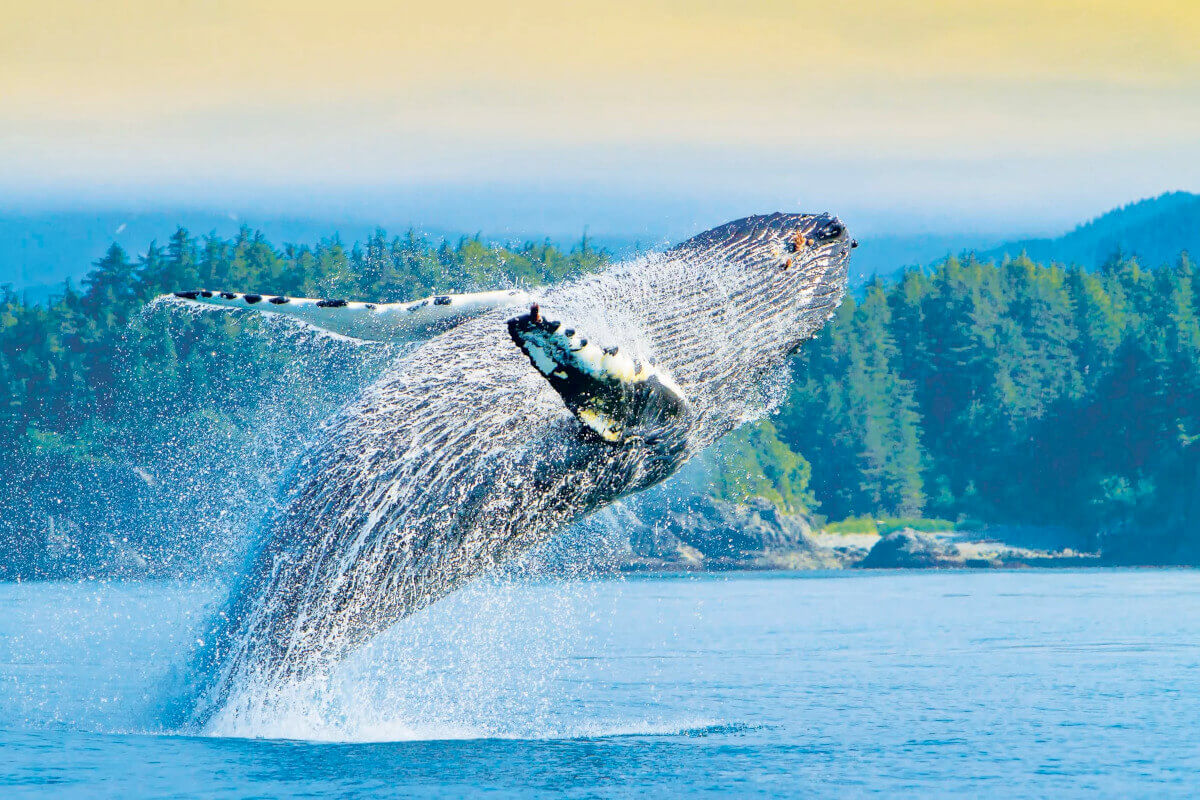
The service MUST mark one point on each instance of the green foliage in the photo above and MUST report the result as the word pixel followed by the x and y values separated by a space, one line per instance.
pixel 886 525
pixel 850 525
pixel 1011 392
pixel 84 364
pixel 754 462
pixel 855 413
pixel 890 524
pixel 1007 392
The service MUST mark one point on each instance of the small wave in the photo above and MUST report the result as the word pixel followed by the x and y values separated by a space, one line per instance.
pixel 299 728
pixel 726 729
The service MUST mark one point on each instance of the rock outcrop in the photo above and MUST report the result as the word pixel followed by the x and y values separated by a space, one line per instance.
pixel 908 549
pixel 713 535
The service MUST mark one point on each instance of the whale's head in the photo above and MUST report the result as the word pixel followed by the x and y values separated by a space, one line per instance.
pixel 721 313
pixel 778 277
pixel 750 293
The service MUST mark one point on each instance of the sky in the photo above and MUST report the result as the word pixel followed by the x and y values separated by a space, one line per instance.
pixel 655 115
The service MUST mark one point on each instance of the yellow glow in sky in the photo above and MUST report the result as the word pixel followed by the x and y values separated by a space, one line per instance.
pixel 457 90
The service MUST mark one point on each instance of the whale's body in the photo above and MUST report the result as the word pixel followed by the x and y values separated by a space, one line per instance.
pixel 462 455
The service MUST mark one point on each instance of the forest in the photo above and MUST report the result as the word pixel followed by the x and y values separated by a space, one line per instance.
pixel 1011 393
pixel 976 392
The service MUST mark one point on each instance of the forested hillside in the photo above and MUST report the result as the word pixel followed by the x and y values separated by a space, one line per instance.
pixel 992 393
pixel 1010 393
pixel 986 393
pixel 41 249
pixel 140 431
pixel 61 364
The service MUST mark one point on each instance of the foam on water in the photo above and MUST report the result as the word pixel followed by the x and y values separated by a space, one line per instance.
pixel 484 663
pixel 510 656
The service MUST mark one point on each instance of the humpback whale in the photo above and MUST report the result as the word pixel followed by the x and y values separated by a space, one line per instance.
pixel 513 414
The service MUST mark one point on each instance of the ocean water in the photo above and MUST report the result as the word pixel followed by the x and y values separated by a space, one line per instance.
pixel 999 684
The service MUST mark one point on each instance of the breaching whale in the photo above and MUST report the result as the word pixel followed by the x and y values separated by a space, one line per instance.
pixel 513 415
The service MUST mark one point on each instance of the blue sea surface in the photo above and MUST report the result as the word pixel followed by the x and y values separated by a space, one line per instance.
pixel 949 684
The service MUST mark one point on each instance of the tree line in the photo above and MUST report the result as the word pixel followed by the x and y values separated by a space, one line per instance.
pixel 1006 393
pixel 65 364
pixel 974 391
pixel 168 430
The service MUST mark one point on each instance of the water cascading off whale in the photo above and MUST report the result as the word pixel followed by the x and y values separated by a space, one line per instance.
pixel 516 415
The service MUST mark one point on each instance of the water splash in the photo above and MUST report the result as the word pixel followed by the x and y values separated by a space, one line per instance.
pixel 461 457
pixel 487 662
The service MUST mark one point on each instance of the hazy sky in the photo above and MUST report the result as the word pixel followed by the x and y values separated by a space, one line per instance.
pixel 920 115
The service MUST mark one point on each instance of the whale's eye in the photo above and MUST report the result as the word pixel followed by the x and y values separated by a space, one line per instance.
pixel 829 232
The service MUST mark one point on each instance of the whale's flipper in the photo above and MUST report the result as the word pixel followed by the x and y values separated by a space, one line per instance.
pixel 618 397
pixel 382 322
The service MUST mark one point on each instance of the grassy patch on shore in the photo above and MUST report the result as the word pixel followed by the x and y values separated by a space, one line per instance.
pixel 885 525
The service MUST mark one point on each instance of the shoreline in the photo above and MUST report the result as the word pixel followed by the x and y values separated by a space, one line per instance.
pixel 707 535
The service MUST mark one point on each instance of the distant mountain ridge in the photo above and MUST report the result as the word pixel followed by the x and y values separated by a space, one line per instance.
pixel 1156 230
pixel 887 254
pixel 39 250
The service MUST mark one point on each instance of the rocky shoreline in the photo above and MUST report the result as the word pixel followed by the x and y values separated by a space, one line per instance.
pixel 710 535
pixel 646 534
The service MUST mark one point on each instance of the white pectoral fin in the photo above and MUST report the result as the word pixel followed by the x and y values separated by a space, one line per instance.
pixel 615 395
pixel 383 322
